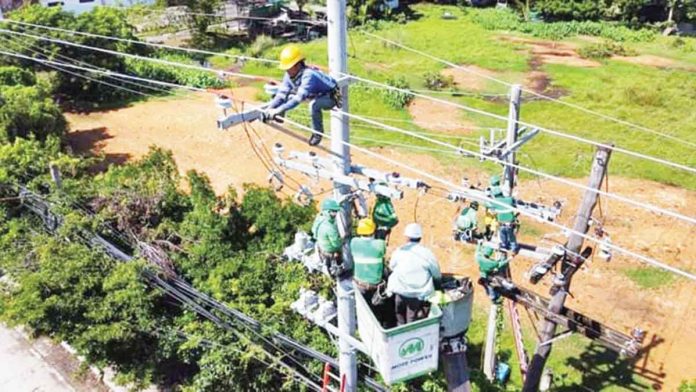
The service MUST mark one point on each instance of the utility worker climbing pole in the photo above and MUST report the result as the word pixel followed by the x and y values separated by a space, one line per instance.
pixel 302 83
pixel 326 235
pixel 490 266
pixel 368 269
pixel 415 272
pixel 505 216
pixel 466 225
pixel 490 221
pixel 384 216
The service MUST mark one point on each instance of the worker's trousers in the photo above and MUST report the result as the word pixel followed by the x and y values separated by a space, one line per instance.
pixel 316 106
pixel 410 309
pixel 508 239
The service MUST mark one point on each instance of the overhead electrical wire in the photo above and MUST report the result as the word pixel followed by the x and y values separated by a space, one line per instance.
pixel 138 42
pixel 135 56
pixel 645 259
pixel 569 104
pixel 386 86
pixel 454 186
pixel 646 206
pixel 533 126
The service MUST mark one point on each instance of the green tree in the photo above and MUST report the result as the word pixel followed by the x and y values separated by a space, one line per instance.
pixel 13 76
pixel 202 16
pixel 29 111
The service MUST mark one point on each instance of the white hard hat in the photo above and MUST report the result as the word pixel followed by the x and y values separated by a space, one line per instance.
pixel 413 231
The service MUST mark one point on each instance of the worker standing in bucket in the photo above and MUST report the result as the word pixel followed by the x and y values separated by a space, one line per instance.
pixel 490 266
pixel 368 269
pixel 414 274
pixel 302 83
pixel 328 240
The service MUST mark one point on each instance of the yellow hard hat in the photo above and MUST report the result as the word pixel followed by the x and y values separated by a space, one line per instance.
pixel 290 56
pixel 366 226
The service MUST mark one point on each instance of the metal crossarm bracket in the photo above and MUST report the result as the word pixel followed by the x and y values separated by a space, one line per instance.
pixel 516 146
pixel 238 118
pixel 319 167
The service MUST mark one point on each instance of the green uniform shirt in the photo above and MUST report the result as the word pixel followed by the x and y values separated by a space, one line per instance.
pixel 487 265
pixel 368 259
pixel 504 214
pixel 384 214
pixel 325 233
pixel 467 219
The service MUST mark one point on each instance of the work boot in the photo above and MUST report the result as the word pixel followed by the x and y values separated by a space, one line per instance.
pixel 315 139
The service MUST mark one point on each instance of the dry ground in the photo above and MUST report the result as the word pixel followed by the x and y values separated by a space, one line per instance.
pixel 187 127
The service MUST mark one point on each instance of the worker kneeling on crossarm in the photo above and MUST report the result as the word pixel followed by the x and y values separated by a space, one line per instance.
pixel 328 240
pixel 302 83
pixel 368 271
pixel 414 275
pixel 466 225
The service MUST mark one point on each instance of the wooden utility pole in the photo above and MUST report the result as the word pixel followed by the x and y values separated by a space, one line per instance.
pixel 571 262
pixel 512 130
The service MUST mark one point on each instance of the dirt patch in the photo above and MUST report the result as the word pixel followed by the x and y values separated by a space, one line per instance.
pixel 469 77
pixel 601 290
pixel 435 116
pixel 649 60
pixel 551 52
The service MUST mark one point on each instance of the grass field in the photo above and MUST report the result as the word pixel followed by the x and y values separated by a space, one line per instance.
pixel 660 99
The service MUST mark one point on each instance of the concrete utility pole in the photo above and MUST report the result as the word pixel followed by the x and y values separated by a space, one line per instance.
pixel 338 66
pixel 571 262
pixel 512 128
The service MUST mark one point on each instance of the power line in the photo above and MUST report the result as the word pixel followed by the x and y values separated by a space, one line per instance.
pixel 144 43
pixel 569 104
pixel 566 229
pixel 547 130
pixel 448 183
pixel 646 206
pixel 107 72
pixel 135 56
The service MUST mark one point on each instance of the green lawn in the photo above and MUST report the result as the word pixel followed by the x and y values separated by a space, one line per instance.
pixel 648 277
pixel 655 98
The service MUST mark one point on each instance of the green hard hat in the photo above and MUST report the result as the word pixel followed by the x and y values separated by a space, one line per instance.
pixel 330 205
pixel 495 180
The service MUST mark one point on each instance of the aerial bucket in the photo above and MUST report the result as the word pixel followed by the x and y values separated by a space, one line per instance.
pixel 404 352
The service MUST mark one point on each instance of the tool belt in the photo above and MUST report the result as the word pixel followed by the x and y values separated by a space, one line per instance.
pixel 364 285
pixel 336 96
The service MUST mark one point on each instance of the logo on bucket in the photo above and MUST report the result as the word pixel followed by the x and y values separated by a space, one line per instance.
pixel 411 347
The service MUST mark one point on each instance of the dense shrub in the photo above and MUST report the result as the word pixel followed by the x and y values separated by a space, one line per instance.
pixel 29 111
pixel 499 19
pixel 174 74
pixel 398 99
pixel 605 49
pixel 12 76
pixel 436 81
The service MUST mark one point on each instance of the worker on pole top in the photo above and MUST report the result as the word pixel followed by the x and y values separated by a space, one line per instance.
pixel 327 238
pixel 302 83
pixel 415 272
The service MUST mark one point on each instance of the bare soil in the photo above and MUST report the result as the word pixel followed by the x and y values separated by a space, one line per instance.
pixel 468 78
pixel 436 117
pixel 551 52
pixel 187 127
pixel 649 60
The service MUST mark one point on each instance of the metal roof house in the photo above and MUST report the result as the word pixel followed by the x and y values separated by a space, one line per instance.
pixel 79 6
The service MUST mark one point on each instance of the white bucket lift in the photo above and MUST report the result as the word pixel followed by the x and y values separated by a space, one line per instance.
pixel 404 352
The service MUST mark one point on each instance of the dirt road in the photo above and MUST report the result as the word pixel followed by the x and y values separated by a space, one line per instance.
pixel 187 127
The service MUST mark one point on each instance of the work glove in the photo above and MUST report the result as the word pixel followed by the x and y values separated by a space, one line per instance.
pixel 270 114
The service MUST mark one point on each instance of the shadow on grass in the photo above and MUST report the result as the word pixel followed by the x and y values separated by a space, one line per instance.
pixel 603 368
